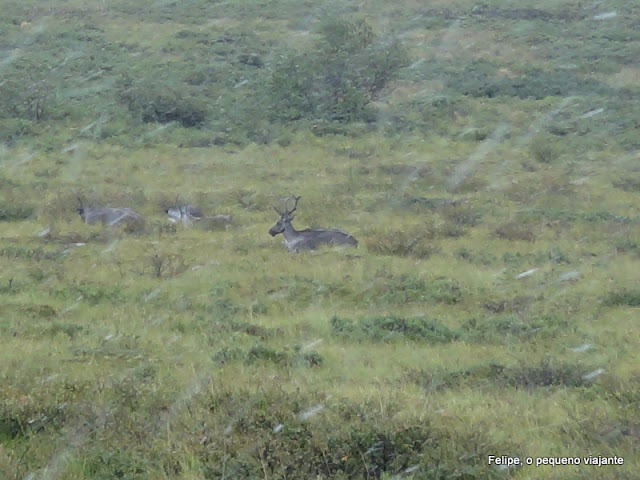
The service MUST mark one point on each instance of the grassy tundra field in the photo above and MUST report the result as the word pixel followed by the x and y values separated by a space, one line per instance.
pixel 485 155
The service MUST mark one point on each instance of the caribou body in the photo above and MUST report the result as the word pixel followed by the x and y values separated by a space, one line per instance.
pixel 187 214
pixel 192 214
pixel 109 216
pixel 309 238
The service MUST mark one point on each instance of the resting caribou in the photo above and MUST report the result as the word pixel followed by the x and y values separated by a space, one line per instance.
pixel 109 216
pixel 309 238
pixel 191 214
pixel 187 214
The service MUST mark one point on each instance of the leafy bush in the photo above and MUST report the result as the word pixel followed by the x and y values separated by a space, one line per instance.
pixel 338 78
pixel 164 100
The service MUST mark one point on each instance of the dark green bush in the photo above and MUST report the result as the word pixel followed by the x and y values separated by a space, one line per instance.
pixel 391 327
pixel 164 100
pixel 502 328
pixel 69 329
pixel 546 373
pixel 261 353
pixel 280 435
pixel 110 463
pixel 481 79
pixel 15 210
pixel 627 297
pixel 338 78
pixel 628 184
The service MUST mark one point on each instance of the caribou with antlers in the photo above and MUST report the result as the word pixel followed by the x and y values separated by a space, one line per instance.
pixel 190 214
pixel 109 216
pixel 187 214
pixel 307 239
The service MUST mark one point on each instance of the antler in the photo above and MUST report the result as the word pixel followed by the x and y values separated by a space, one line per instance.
pixel 80 200
pixel 295 205
pixel 179 207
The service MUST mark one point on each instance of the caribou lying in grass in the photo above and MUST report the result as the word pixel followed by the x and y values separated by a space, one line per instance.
pixel 309 238
pixel 187 214
pixel 192 214
pixel 109 216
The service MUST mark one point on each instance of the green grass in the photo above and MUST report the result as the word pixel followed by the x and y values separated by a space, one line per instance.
pixel 490 308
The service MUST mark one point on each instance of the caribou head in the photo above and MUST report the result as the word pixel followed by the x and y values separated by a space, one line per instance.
pixel 286 216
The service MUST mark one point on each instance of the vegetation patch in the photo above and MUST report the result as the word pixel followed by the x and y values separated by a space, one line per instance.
pixel 503 328
pixel 485 156
pixel 628 184
pixel 417 243
pixel 31 310
pixel 597 216
pixel 288 441
pixel 626 297
pixel 108 463
pixel 337 79
pixel 14 211
pixel 628 245
pixel 511 305
pixel 30 417
pixel 405 288
pixel 481 79
pixel 384 329
pixel 262 354
pixel 92 293
pixel 71 330
pixel 546 373
pixel 515 231
pixel 32 253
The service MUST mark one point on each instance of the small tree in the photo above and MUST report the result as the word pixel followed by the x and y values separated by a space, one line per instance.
pixel 338 78
pixel 27 91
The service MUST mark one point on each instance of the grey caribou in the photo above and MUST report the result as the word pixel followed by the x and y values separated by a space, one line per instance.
pixel 109 216
pixel 309 238
pixel 187 214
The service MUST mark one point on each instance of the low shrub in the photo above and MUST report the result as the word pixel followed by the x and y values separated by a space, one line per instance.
pixel 391 327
